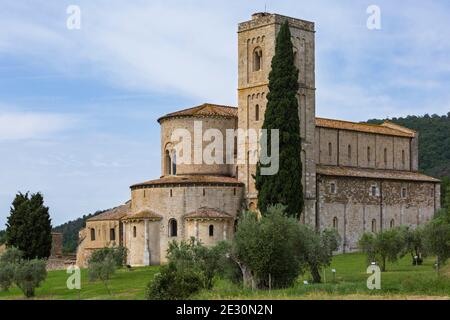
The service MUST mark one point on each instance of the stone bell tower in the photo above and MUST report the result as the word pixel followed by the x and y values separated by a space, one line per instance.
pixel 257 39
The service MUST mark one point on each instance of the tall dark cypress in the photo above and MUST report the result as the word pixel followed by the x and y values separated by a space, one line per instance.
pixel 285 187
pixel 29 226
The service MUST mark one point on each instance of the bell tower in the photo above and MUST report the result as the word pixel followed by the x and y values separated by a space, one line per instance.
pixel 256 48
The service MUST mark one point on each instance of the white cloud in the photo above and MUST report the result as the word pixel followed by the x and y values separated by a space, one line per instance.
pixel 27 125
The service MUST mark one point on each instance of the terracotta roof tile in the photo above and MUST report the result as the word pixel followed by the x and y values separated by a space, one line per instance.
pixel 205 110
pixel 113 214
pixel 387 128
pixel 373 174
pixel 190 179
pixel 208 213
pixel 144 214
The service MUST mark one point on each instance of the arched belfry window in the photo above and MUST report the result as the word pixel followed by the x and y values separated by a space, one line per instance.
pixel 257 112
pixel 168 162
pixel 211 231
pixel 335 223
pixel 134 232
pixel 174 164
pixel 173 228
pixel 257 59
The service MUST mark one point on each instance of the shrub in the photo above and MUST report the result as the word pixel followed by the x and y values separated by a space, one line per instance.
pixel 11 256
pixel 117 254
pixel 6 276
pixel 192 255
pixel 174 283
pixel 29 274
pixel 8 261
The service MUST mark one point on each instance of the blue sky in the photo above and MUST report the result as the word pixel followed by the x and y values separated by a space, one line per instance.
pixel 78 108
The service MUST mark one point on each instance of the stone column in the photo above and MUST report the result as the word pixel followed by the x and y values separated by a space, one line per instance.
pixel 129 243
pixel 146 249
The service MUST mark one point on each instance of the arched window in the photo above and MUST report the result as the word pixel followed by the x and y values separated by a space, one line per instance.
pixel 174 165
pixel 373 191
pixel 404 193
pixel 392 223
pixel 257 59
pixel 92 234
pixel 168 163
pixel 335 223
pixel 333 188
pixel 211 231
pixel 374 225
pixel 257 112
pixel 349 152
pixel 134 232
pixel 173 228
pixel 330 149
pixel 368 155
pixel 385 157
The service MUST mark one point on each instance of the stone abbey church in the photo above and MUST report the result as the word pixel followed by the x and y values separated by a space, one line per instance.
pixel 356 178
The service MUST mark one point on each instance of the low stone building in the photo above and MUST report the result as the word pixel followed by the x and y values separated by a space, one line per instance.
pixel 356 177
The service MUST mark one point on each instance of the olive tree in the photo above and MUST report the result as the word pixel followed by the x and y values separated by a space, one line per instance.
pixel 437 240
pixel 316 249
pixel 266 250
pixel 384 246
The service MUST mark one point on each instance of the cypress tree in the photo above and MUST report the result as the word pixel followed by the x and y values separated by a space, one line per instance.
pixel 285 187
pixel 29 226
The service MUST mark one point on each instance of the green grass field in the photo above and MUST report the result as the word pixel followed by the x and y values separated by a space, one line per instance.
pixel 401 281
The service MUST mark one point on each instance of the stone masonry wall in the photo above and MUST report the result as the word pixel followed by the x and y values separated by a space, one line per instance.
pixel 357 210
pixel 173 202
pixel 336 147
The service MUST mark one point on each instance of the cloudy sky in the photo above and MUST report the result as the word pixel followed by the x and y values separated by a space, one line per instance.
pixel 78 108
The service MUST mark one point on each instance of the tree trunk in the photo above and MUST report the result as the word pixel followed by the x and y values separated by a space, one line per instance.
pixel 247 276
pixel 316 274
